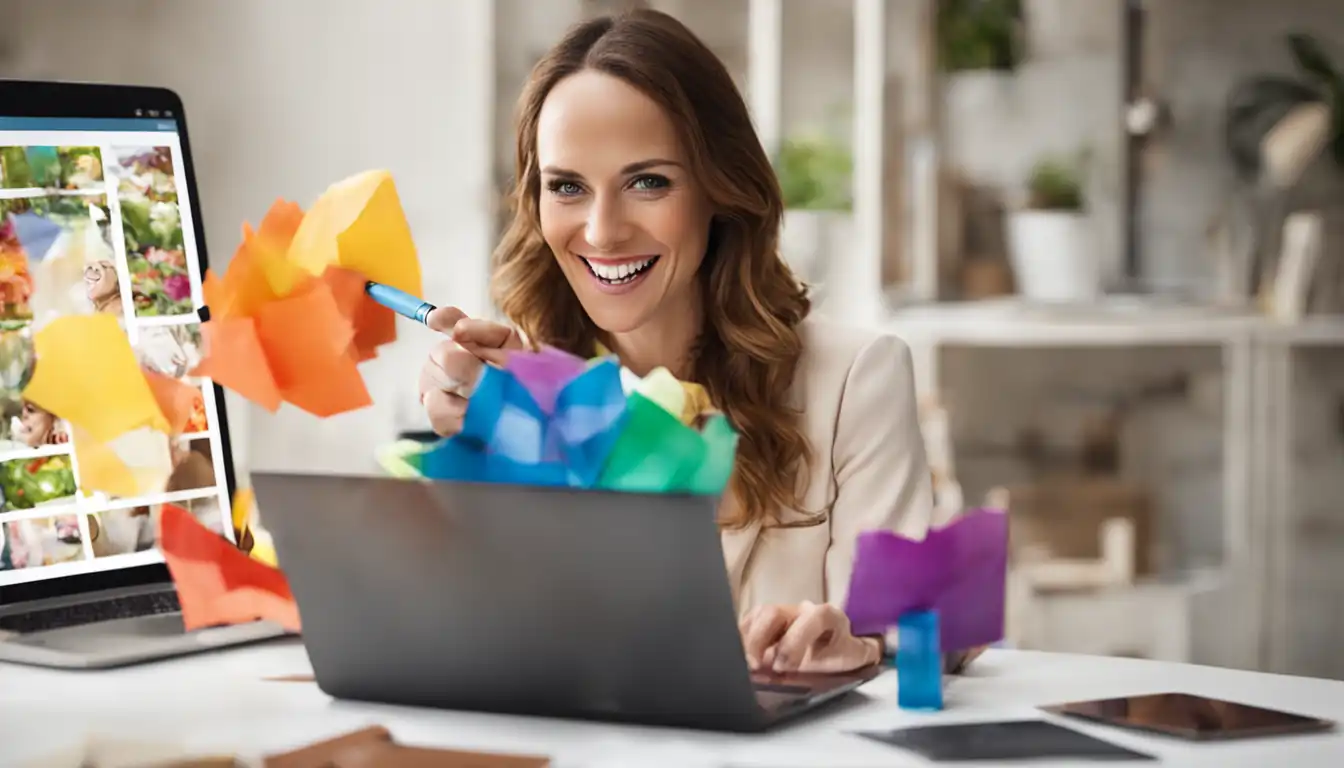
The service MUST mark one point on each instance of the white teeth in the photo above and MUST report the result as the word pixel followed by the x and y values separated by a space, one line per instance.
pixel 617 272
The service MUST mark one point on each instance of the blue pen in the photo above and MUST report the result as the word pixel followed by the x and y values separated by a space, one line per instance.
pixel 399 301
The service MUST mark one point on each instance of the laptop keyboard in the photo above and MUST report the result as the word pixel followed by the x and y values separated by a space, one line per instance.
pixel 127 607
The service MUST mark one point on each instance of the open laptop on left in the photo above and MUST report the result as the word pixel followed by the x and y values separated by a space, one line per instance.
pixel 99 215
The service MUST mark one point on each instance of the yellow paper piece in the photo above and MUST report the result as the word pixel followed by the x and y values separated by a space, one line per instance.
pixel 245 522
pixel 242 508
pixel 359 224
pixel 136 463
pixel 263 549
pixel 661 387
pixel 87 374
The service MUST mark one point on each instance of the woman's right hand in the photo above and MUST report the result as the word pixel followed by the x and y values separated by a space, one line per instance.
pixel 454 365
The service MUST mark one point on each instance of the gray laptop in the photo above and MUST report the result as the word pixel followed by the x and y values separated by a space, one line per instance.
pixel 523 600
pixel 81 582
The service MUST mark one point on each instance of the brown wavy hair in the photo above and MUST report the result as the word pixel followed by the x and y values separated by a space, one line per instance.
pixel 748 351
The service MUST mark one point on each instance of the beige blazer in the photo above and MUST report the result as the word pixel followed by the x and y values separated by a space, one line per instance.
pixel 856 392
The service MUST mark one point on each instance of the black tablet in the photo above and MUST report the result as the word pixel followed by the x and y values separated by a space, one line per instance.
pixel 1191 717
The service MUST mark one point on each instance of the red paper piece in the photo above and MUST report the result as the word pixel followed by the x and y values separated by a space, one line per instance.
pixel 217 584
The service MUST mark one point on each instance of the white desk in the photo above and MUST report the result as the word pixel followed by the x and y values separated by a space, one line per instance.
pixel 220 703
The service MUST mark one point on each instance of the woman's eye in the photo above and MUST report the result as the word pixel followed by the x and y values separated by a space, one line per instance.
pixel 651 182
pixel 564 188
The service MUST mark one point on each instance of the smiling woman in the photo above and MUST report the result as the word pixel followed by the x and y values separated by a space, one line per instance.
pixel 646 220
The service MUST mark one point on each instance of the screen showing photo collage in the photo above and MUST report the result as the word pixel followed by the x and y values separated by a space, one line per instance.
pixel 57 258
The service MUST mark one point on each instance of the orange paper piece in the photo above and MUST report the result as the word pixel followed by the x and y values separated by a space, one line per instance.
pixel 176 399
pixel 217 584
pixel 87 374
pixel 235 359
pixel 374 324
pixel 289 320
pixel 309 345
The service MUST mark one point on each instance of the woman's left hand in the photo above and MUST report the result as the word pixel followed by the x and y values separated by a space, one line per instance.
pixel 805 638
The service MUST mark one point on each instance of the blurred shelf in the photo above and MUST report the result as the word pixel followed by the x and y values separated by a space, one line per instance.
pixel 1321 330
pixel 1118 322
pixel 1108 322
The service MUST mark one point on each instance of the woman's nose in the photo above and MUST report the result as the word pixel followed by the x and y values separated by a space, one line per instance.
pixel 606 227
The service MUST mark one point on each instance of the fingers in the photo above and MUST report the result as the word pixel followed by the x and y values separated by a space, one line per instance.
pixel 446 412
pixel 489 341
pixel 817 628
pixel 761 628
pixel 442 319
pixel 451 368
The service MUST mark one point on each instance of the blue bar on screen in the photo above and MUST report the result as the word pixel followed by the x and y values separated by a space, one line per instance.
pixel 130 124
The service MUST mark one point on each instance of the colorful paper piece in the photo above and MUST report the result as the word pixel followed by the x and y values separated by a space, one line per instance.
pixel 86 373
pixel 359 225
pixel 216 583
pixel 36 234
pixel 957 570
pixel 289 319
pixel 549 418
pixel 133 464
pixel 247 531
pixel 176 399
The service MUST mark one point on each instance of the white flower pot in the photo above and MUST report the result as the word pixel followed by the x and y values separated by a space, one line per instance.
pixel 1053 256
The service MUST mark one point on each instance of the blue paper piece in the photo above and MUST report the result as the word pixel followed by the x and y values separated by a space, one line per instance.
pixel 461 459
pixel 36 234
pixel 590 413
pixel 507 437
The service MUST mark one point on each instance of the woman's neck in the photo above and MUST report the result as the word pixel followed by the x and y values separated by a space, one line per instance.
pixel 666 341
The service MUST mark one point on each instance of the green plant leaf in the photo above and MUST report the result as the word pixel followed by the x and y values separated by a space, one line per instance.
pixel 1313 61
pixel 1337 145
pixel 815 174
pixel 1054 185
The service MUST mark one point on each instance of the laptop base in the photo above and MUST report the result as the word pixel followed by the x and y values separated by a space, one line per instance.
pixel 123 642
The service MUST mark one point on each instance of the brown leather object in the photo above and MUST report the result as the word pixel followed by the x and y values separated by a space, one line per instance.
pixel 374 747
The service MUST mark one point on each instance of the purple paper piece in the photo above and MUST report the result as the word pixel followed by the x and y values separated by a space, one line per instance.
pixel 958 570
pixel 36 234
pixel 544 373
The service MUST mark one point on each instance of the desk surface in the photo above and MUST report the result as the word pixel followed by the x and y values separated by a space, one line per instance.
pixel 221 703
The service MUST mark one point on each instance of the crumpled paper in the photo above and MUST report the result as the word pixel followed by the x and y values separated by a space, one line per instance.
pixel 553 419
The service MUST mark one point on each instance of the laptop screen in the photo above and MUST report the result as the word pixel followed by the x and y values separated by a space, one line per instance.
pixel 94 218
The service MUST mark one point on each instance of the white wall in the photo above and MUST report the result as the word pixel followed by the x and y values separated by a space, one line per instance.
pixel 283 99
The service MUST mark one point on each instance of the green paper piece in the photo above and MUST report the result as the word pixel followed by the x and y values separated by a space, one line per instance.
pixel 712 475
pixel 655 452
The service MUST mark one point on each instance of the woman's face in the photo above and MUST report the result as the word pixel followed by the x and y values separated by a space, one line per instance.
pixel 619 208
pixel 36 424
pixel 100 281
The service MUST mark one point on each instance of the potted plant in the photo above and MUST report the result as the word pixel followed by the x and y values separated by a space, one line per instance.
pixel 1049 243
pixel 1256 105
pixel 979 35
pixel 814 176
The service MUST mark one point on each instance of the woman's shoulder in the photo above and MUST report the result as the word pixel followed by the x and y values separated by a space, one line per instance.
pixel 833 351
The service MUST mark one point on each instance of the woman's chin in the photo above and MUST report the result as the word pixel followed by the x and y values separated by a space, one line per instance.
pixel 615 320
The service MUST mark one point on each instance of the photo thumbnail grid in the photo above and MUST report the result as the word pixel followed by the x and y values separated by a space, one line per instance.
pixel 87 230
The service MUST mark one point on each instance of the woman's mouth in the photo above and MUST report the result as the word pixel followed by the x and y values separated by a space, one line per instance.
pixel 613 275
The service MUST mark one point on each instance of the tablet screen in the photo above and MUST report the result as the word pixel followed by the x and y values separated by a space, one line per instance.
pixel 96 219
pixel 1188 716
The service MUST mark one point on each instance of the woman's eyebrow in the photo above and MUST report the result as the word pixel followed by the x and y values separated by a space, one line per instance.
pixel 642 165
